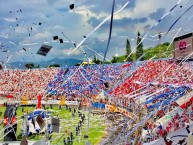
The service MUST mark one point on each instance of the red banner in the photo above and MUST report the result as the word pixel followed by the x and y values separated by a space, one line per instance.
pixel 10 96
pixel 39 102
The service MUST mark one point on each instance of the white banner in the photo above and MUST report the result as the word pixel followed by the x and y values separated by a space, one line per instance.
pixel 53 102
pixel 74 103
pixel 35 102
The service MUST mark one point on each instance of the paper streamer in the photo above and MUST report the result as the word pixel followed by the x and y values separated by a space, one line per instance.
pixel 97 53
pixel 178 19
pixel 29 44
pixel 12 43
pixel 9 58
pixel 4 36
pixel 68 38
pixel 110 31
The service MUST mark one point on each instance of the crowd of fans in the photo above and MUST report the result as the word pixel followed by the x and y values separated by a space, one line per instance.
pixel 159 83
pixel 162 72
pixel 87 80
pixel 179 120
pixel 153 84
pixel 29 82
pixel 90 80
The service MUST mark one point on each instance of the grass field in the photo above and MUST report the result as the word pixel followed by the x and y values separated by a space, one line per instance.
pixel 67 124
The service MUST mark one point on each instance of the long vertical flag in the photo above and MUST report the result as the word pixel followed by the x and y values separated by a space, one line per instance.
pixel 110 31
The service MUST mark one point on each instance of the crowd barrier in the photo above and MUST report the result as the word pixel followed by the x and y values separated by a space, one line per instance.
pixel 113 108
pixel 53 102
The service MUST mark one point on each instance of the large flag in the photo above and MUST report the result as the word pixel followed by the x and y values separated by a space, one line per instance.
pixel 40 121
pixel 39 102
pixel 9 96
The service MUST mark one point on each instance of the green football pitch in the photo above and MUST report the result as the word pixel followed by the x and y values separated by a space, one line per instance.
pixel 68 124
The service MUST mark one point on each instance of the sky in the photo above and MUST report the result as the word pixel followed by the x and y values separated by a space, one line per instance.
pixel 27 24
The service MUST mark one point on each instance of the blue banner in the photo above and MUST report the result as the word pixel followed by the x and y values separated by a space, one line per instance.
pixel 98 105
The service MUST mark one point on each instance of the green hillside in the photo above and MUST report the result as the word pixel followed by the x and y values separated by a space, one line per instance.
pixel 165 51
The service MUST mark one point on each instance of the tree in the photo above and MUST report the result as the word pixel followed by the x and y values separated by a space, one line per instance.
pixel 1 67
pixel 37 66
pixel 139 50
pixel 78 64
pixel 54 65
pixel 128 50
pixel 114 60
pixel 29 65
pixel 96 61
